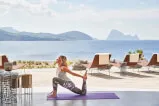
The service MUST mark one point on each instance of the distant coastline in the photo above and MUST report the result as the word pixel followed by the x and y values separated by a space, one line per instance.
pixel 11 34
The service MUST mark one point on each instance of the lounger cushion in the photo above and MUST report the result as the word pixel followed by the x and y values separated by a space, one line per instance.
pixel 157 58
pixel 0 60
pixel 134 57
pixel 104 59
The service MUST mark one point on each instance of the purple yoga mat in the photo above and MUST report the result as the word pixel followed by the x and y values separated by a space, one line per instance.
pixel 88 96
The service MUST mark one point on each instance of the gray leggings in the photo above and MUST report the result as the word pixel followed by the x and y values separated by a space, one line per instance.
pixel 69 85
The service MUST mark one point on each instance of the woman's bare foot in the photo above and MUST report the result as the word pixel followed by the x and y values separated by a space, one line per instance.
pixel 53 94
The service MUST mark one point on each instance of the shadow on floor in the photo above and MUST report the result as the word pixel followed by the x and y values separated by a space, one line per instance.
pixel 151 72
pixel 130 74
pixel 104 76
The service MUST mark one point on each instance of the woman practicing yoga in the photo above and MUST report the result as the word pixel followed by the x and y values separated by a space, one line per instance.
pixel 64 81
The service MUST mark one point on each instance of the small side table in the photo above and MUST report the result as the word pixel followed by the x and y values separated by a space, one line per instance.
pixel 26 83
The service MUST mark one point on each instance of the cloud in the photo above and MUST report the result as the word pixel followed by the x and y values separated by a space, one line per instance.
pixel 88 14
pixel 130 14
pixel 73 16
pixel 70 5
pixel 76 12
pixel 141 3
pixel 47 2
pixel 119 22
pixel 37 9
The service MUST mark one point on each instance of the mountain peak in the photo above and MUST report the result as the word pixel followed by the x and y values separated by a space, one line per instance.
pixel 9 29
pixel 117 35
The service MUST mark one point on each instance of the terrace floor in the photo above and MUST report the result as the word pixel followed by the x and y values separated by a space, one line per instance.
pixel 127 98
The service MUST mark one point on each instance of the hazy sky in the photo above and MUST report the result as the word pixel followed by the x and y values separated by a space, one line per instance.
pixel 94 17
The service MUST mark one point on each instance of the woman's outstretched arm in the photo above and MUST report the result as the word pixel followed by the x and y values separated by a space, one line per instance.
pixel 63 68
